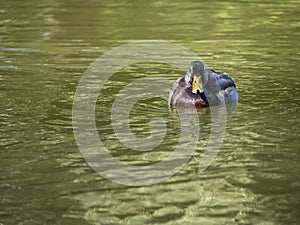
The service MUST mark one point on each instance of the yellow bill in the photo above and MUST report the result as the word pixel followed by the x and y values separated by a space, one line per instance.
pixel 196 85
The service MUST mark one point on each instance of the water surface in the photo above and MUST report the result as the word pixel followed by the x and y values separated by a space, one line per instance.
pixel 46 46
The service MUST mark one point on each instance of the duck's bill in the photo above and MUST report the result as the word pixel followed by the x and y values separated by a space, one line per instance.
pixel 196 85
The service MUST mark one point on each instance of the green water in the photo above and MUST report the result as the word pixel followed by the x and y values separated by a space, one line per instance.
pixel 46 46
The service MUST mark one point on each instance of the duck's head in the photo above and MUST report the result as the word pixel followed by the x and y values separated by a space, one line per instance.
pixel 194 76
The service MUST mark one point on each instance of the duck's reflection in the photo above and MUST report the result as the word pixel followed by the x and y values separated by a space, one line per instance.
pixel 191 125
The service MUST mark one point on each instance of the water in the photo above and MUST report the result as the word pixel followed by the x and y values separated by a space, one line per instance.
pixel 46 46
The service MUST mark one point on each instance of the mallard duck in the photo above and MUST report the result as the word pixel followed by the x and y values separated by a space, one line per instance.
pixel 202 87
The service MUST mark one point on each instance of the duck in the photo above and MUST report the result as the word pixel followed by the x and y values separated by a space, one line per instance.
pixel 201 87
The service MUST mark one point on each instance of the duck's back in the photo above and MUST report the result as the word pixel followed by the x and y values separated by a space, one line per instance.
pixel 224 80
pixel 221 84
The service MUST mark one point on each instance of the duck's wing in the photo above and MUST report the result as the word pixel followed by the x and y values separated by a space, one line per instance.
pixel 220 88
pixel 179 83
pixel 223 79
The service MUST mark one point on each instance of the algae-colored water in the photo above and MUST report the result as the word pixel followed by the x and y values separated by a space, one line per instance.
pixel 46 46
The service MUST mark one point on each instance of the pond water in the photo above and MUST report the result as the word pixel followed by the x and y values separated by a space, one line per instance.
pixel 46 46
